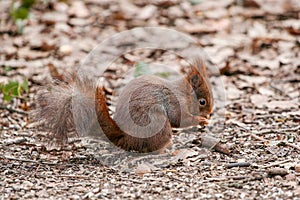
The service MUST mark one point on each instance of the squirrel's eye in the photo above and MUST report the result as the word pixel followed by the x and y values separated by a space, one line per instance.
pixel 202 102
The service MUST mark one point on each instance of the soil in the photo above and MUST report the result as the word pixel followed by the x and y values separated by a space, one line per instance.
pixel 253 44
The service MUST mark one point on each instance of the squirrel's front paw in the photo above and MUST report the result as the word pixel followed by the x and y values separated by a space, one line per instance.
pixel 202 121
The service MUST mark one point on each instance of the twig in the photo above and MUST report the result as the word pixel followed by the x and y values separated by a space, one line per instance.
pixel 64 176
pixel 169 170
pixel 177 179
pixel 13 110
pixel 240 164
pixel 224 178
pixel 26 160
pixel 258 138
pixel 212 179
pixel 272 130
pixel 16 141
pixel 258 133
pixel 292 145
pixel 244 180
pixel 276 163
pixel 254 178
pixel 278 89
pixel 36 170
pixel 133 180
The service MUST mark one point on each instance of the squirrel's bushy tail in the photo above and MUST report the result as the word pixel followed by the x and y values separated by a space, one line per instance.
pixel 80 107
pixel 64 108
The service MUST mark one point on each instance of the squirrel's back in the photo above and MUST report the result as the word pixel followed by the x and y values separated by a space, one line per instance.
pixel 144 97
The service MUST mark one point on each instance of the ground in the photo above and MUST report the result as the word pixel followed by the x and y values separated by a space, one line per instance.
pixel 255 45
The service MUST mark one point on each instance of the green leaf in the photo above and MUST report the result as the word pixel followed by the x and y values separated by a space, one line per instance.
pixel 163 74
pixel 195 2
pixel 20 13
pixel 7 68
pixel 25 86
pixel 19 90
pixel 7 97
pixel 142 68
pixel 12 88
pixel 28 3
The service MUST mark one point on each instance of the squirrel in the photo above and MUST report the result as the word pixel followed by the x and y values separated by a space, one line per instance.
pixel 147 109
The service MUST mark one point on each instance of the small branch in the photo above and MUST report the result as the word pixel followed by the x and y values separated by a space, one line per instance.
pixel 133 180
pixel 272 130
pixel 292 145
pixel 225 178
pixel 240 164
pixel 255 178
pixel 258 138
pixel 26 160
pixel 276 163
pixel 64 176
pixel 15 141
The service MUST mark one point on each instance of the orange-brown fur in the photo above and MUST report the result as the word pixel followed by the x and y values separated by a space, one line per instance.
pixel 146 110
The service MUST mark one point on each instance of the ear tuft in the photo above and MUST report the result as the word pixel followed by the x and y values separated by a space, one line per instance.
pixel 199 64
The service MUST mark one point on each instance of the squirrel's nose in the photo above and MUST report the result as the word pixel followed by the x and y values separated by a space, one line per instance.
pixel 208 116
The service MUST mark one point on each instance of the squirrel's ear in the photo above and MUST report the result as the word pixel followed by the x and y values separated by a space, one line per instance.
pixel 194 80
pixel 199 64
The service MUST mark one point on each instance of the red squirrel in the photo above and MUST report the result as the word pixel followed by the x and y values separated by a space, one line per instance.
pixel 147 108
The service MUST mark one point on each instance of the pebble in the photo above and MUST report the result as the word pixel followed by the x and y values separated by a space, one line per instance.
pixel 10 51
pixel 78 22
pixel 297 168
pixel 65 50
pixel 96 190
pixel 28 54
pixel 51 18
pixel 175 12
pixel 105 191
pixel 147 12
pixel 63 27
pixel 18 42
pixel 61 7
pixel 16 187
pixel 29 195
pixel 290 177
pixel 88 195
pixel 75 197
pixel 44 45
pixel 78 9
pixel 142 169
pixel 277 171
